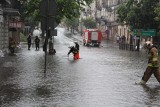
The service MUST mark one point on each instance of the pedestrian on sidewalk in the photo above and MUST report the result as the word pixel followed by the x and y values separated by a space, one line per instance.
pixel 117 38
pixel 37 41
pixel 153 65
pixel 29 41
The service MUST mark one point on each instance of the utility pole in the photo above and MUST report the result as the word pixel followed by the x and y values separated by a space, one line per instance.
pixel 48 9
pixel 46 39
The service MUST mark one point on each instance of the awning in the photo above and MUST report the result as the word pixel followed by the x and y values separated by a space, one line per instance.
pixel 11 11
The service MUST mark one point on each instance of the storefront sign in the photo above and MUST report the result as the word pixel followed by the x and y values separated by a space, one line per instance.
pixel 15 24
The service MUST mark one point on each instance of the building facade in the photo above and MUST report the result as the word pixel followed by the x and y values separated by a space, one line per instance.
pixel 104 12
pixel 10 23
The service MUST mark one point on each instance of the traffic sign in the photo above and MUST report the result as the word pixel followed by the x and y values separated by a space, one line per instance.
pixel 149 32
pixel 48 10
pixel 142 32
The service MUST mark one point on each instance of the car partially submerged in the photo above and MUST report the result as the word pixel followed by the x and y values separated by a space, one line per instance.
pixel 92 37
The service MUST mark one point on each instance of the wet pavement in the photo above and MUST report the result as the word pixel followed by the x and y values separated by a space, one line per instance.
pixel 104 77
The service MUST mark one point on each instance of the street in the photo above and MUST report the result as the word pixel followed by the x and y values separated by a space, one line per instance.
pixel 103 77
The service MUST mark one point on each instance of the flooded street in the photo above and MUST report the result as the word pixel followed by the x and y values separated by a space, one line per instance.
pixel 103 77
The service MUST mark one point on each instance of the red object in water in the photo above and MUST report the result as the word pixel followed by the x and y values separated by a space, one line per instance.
pixel 76 56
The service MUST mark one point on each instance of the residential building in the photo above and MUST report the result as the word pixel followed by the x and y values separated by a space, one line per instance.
pixel 114 28
pixel 104 12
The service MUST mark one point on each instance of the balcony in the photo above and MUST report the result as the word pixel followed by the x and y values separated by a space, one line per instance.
pixel 101 20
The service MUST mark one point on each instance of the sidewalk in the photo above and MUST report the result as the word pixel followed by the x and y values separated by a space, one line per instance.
pixel 77 36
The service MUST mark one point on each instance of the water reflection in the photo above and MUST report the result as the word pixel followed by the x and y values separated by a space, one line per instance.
pixel 152 95
pixel 43 91
pixel 9 93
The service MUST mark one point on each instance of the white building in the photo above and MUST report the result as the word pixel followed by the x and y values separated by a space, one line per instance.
pixel 104 12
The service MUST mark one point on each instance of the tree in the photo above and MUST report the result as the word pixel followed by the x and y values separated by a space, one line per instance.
pixel 66 8
pixel 139 14
pixel 89 22
pixel 157 11
pixel 71 23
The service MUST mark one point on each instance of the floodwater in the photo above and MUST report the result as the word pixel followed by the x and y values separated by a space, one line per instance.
pixel 103 77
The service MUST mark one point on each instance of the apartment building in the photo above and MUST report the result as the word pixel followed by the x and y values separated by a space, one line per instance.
pixel 104 12
pixel 109 9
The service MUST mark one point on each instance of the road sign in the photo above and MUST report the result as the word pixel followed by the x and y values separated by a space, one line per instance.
pixel 137 32
pixel 149 32
pixel 142 32
pixel 48 10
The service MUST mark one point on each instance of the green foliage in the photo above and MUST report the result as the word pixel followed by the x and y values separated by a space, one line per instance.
pixel 140 15
pixel 71 22
pixel 157 11
pixel 23 38
pixel 122 13
pixel 89 22
pixel 66 8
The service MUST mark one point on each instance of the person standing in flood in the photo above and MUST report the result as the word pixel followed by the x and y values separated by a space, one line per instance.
pixel 77 47
pixel 74 51
pixel 153 65
pixel 37 41
pixel 29 41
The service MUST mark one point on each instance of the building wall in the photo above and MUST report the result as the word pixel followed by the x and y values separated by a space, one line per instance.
pixel 3 37
pixel 6 16
pixel 111 16
pixel 3 33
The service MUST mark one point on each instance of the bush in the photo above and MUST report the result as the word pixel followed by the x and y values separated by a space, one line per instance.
pixel 23 38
